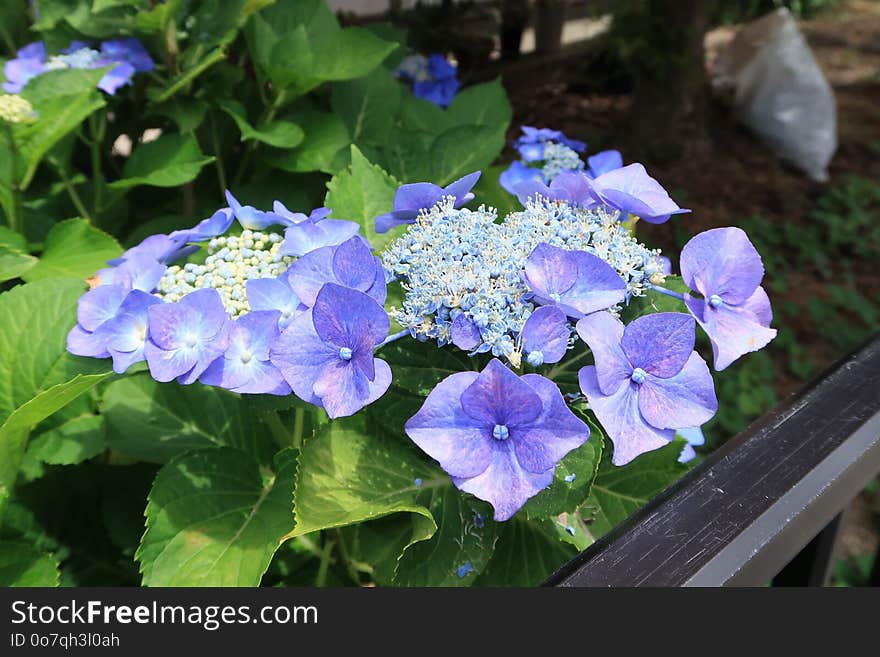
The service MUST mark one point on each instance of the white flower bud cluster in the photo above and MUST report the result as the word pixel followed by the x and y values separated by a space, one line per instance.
pixel 232 262
pixel 559 158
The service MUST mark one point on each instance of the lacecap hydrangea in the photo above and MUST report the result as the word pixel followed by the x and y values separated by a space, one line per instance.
pixel 125 57
pixel 282 302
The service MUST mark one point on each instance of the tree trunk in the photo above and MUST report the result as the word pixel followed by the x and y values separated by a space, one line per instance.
pixel 671 91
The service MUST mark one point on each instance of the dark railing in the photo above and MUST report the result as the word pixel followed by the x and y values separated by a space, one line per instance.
pixel 766 506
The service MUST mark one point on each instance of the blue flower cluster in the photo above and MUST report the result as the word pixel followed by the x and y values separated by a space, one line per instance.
pixel 433 78
pixel 545 154
pixel 463 272
pixel 125 56
pixel 251 317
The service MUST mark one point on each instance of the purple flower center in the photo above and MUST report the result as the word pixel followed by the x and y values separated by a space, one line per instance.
pixel 246 357
pixel 715 301
pixel 638 376
pixel 500 432
pixel 345 353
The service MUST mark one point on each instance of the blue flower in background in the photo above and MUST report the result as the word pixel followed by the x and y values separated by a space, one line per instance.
pixel 647 381
pixel 412 198
pixel 326 353
pixel 544 154
pixel 497 434
pixel 126 57
pixel 433 78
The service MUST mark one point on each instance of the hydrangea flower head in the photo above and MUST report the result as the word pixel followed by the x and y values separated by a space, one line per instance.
pixel 216 318
pixel 647 381
pixel 463 272
pixel 544 155
pixel 125 57
pixel 631 190
pixel 497 434
pixel 726 269
pixel 326 353
pixel 413 198
pixel 433 78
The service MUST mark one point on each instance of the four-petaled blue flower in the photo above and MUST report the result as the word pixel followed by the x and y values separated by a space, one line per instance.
pixel 545 336
pixel 351 264
pixel 544 155
pixel 632 191
pixel 307 233
pixel 726 269
pixel 187 336
pixel 577 282
pixel 412 198
pixel 245 366
pixel 498 435
pixel 647 381
pixel 326 353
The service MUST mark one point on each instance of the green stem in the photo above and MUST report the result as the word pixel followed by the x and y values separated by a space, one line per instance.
pixel 347 561
pixel 97 125
pixel 299 420
pixel 16 216
pixel 71 191
pixel 276 426
pixel 251 146
pixel 321 579
pixel 218 159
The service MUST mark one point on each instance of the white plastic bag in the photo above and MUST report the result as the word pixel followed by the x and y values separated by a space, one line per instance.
pixel 781 93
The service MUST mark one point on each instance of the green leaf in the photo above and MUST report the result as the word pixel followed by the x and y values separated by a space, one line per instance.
pixel 169 161
pixel 16 428
pixel 419 366
pixel 188 113
pixel 74 249
pixel 24 565
pixel 13 240
pixel 527 552
pixel 619 491
pixel 62 100
pixel 368 106
pixel 346 476
pixel 362 193
pixel 37 375
pixel 281 134
pixel 482 104
pixel 422 115
pixel 158 421
pixel 73 441
pixel 350 53
pixel 460 548
pixel 564 496
pixel 464 149
pixel 322 149
pixel 14 263
pixel 214 518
